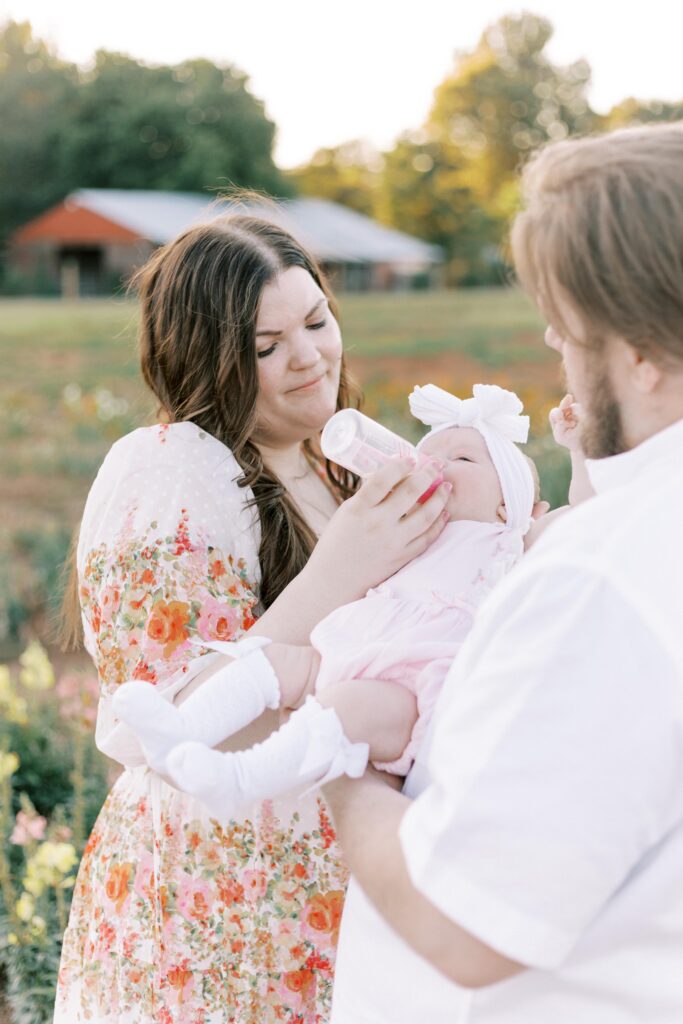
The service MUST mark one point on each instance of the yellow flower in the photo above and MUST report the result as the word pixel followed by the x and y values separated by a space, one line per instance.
pixel 17 711
pixel 14 708
pixel 60 856
pixel 36 671
pixel 34 882
pixel 48 865
pixel 25 907
pixel 12 939
pixel 38 926
pixel 8 765
pixel 6 691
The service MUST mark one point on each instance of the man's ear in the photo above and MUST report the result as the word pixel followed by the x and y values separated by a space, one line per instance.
pixel 644 374
pixel 541 508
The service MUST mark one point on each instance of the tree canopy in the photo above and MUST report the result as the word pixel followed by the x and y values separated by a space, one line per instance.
pixel 196 126
pixel 123 124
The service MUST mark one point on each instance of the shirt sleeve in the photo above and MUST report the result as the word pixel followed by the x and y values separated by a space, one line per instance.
pixel 553 765
pixel 167 554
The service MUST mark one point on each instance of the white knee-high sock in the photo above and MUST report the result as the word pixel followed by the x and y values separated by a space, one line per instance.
pixel 311 747
pixel 234 696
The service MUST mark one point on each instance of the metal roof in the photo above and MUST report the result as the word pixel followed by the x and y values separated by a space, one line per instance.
pixel 332 232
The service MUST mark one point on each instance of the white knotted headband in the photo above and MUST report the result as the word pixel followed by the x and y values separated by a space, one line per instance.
pixel 496 414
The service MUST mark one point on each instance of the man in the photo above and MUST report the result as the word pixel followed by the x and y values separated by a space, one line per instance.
pixel 537 878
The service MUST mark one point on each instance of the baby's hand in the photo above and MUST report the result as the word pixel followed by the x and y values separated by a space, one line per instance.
pixel 564 423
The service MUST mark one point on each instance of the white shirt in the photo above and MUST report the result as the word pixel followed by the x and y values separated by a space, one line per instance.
pixel 552 828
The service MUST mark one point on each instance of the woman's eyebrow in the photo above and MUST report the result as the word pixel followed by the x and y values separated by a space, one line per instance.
pixel 263 334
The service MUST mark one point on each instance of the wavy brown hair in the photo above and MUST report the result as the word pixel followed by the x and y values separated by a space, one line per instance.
pixel 602 226
pixel 199 299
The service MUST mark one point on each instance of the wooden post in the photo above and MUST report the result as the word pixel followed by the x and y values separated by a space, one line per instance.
pixel 70 278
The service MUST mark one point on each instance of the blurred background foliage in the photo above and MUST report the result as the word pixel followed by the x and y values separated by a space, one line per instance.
pixel 454 180
pixel 196 126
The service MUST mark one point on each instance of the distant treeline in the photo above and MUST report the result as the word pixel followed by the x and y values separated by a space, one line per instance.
pixel 196 126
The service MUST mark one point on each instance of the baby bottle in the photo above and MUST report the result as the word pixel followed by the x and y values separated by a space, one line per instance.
pixel 362 445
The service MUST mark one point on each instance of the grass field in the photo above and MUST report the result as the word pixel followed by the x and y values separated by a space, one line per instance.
pixel 70 386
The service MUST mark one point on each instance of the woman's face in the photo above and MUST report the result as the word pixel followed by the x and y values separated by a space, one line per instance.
pixel 298 349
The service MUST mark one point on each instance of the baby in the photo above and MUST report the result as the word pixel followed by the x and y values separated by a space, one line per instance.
pixel 384 657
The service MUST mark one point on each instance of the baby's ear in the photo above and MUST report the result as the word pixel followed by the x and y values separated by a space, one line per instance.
pixel 540 509
pixel 502 512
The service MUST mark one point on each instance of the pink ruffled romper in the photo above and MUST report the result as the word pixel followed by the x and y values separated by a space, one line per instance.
pixel 410 628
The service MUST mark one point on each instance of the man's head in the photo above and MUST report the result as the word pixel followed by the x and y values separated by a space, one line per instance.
pixel 599 246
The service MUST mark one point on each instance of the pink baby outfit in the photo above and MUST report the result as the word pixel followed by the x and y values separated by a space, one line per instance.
pixel 410 628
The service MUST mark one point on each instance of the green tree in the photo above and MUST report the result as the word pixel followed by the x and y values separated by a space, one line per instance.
pixel 348 174
pixel 122 124
pixel 37 99
pixel 504 100
pixel 425 192
pixel 634 112
pixel 189 127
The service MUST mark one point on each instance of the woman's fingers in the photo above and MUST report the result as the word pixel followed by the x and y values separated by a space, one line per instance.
pixel 406 494
pixel 419 544
pixel 378 486
pixel 421 517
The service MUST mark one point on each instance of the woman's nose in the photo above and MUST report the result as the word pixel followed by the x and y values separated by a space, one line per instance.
pixel 305 352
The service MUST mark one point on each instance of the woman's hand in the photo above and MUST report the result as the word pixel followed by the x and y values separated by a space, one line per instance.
pixel 380 529
pixel 369 538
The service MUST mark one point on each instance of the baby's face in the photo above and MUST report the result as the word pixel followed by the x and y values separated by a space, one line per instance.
pixel 476 493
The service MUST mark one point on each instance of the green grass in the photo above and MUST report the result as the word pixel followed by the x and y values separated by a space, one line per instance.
pixel 70 386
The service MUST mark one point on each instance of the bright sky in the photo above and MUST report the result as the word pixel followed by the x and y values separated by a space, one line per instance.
pixel 330 72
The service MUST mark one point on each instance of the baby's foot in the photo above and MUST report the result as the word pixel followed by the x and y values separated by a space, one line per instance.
pixel 207 775
pixel 235 694
pixel 310 748
pixel 153 719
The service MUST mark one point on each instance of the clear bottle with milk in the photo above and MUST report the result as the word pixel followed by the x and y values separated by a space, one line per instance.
pixel 362 445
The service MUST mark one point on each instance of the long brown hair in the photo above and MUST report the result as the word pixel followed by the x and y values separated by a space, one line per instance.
pixel 602 226
pixel 199 300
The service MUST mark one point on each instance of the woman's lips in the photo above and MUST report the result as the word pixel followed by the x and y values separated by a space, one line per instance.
pixel 311 384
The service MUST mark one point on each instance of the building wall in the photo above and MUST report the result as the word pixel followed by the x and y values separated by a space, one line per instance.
pixel 89 269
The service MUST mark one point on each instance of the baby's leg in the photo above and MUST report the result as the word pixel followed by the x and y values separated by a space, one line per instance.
pixel 317 744
pixel 373 711
pixel 309 748
pixel 235 694
pixel 296 669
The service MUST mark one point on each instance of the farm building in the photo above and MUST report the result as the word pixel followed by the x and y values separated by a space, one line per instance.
pixel 92 241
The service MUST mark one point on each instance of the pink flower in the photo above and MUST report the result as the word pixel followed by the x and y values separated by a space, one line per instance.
pixel 144 875
pixel 78 695
pixel 218 621
pixel 27 829
pixel 194 900
pixel 110 602
pixel 255 884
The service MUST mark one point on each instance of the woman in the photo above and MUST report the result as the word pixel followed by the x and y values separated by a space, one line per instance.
pixel 194 528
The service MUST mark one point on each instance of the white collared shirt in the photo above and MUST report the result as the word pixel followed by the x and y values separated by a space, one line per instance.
pixel 552 826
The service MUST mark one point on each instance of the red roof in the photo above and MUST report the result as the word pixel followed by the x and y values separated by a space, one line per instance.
pixel 70 223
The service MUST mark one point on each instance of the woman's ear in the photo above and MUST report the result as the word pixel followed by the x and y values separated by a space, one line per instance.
pixel 501 512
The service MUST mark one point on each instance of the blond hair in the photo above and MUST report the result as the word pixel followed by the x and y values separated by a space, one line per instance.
pixel 602 227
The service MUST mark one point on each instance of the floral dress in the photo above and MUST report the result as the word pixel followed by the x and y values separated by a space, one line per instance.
pixel 177 919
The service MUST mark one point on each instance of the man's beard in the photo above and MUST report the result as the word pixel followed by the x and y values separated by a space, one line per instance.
pixel 602 432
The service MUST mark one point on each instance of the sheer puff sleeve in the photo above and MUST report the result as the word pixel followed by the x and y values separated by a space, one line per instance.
pixel 167 554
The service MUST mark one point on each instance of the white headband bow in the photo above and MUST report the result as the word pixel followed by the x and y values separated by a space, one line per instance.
pixel 496 414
